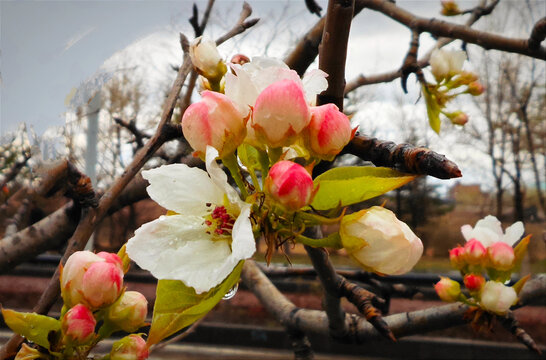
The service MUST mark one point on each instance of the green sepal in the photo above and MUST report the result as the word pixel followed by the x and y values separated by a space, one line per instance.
pixel 32 326
pixel 125 260
pixel 499 275
pixel 349 185
pixel 520 250
pixel 178 306
pixel 332 241
pixel 433 110
pixel 521 283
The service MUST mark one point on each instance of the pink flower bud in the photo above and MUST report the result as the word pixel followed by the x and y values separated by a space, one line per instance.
pixel 102 284
pixel 459 118
pixel 78 324
pixel 72 275
pixel 474 252
pixel 131 347
pixel 214 121
pixel 129 312
pixel 475 88
pixel 111 258
pixel 497 298
pixel 280 113
pixel 447 289
pixel 328 132
pixel 501 256
pixel 374 237
pixel 290 185
pixel 456 256
pixel 473 282
pixel 240 59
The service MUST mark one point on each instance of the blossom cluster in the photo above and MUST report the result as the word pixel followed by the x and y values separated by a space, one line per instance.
pixel 488 252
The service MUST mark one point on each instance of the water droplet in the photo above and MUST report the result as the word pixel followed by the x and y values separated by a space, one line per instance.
pixel 231 293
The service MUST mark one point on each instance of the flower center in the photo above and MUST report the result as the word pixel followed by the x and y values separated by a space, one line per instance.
pixel 219 222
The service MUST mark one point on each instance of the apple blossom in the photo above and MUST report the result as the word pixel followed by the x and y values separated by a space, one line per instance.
pixel 497 298
pixel 129 311
pixel 250 79
pixel 72 275
pixel 501 256
pixel 328 132
pixel 488 231
pixel 213 121
pixel 380 242
pixel 473 282
pixel 210 233
pixel 446 63
pixel 290 185
pixel 131 347
pixel 102 284
pixel 206 59
pixel 474 252
pixel 78 324
pixel 447 289
pixel 280 113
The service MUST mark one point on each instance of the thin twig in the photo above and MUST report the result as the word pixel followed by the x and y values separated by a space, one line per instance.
pixel 512 325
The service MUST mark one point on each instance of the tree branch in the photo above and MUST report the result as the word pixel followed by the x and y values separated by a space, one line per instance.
pixel 538 34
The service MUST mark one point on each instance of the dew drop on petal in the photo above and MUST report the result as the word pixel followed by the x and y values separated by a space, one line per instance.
pixel 231 293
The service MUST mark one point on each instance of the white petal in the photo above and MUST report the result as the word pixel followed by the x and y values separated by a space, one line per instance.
pixel 243 245
pixel 178 248
pixel 240 90
pixel 263 62
pixel 219 177
pixel 415 254
pixel 182 189
pixel 466 230
pixel 513 233
pixel 272 75
pixel 314 82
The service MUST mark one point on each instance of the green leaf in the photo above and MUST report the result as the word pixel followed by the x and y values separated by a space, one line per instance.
pixel 177 305
pixel 352 184
pixel 248 155
pixel 433 110
pixel 32 326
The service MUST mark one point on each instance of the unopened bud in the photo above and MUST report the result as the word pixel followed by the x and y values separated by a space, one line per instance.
pixel 328 131
pixel 475 88
pixel 501 256
pixel 497 298
pixel 280 113
pixel 129 312
pixel 290 185
pixel 206 59
pixel 78 324
pixel 111 258
pixel 102 284
pixel 450 8
pixel 473 282
pixel 474 252
pixel 456 257
pixel 458 118
pixel 72 275
pixel 447 289
pixel 214 121
pixel 446 63
pixel 132 347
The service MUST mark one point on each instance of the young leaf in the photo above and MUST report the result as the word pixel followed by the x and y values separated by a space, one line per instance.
pixel 178 306
pixel 350 185
pixel 32 326
pixel 433 110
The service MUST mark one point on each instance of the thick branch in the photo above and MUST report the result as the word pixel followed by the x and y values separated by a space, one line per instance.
pixel 403 157
pixel 538 34
pixel 442 28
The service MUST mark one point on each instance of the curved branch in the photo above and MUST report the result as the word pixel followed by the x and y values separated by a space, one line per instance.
pixel 538 34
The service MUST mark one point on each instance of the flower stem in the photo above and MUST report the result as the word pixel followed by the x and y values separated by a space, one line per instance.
pixel 254 178
pixel 275 154
pixel 230 162
pixel 263 159
pixel 331 241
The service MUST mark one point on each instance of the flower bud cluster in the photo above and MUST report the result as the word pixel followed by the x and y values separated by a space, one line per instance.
pixel 451 80
pixel 488 251
pixel 92 290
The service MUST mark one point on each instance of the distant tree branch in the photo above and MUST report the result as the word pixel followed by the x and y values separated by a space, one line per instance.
pixel 16 168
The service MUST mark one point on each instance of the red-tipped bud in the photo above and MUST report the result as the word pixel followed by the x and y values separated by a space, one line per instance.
pixel 475 88
pixel 473 282
pixel 131 347
pixel 447 289
pixel 78 324
pixel 456 257
pixel 328 132
pixel 290 185
pixel 129 312
pixel 280 113
pixel 214 121
pixel 72 275
pixel 102 284
pixel 111 258
pixel 501 256
pixel 240 59
pixel 459 118
pixel 474 252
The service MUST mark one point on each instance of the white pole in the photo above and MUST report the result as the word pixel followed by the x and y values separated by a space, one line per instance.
pixel 93 109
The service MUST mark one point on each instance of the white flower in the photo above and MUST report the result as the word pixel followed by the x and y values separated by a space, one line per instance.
pixel 497 297
pixel 489 231
pixel 253 77
pixel 209 235
pixel 206 58
pixel 444 63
